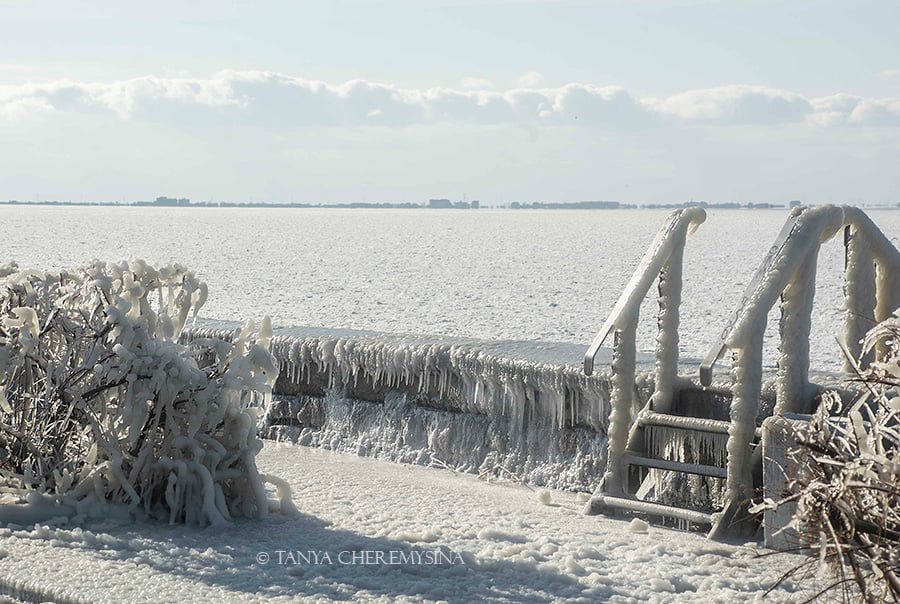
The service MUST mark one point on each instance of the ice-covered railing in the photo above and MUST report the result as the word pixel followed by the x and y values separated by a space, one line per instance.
pixel 788 274
pixel 499 408
pixel 663 260
pixel 871 282
pixel 506 379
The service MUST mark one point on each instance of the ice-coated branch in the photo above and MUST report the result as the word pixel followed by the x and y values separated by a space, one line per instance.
pixel 103 411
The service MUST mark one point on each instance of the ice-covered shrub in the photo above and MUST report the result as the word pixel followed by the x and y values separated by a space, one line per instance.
pixel 847 487
pixel 102 409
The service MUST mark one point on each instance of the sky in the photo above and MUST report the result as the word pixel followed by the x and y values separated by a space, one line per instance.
pixel 638 101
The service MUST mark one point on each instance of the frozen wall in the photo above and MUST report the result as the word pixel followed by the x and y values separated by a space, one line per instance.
pixel 522 411
pixel 518 410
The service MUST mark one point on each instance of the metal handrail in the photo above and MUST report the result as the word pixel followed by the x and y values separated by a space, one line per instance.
pixel 851 217
pixel 649 268
pixel 718 349
pixel 662 260
pixel 788 272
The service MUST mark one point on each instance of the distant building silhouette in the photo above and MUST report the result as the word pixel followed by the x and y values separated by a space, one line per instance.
pixel 166 201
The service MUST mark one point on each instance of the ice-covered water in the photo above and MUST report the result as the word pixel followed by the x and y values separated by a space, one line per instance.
pixel 491 274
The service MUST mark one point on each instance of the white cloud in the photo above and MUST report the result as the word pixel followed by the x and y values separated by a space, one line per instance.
pixel 736 105
pixel 849 110
pixel 876 112
pixel 532 79
pixel 890 73
pixel 476 83
pixel 25 107
pixel 262 98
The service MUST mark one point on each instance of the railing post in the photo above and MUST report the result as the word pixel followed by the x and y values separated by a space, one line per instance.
pixel 622 401
pixel 746 372
pixel 887 299
pixel 747 376
pixel 667 336
pixel 794 327
pixel 859 293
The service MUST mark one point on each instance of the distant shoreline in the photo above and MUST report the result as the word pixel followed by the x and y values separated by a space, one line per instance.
pixel 431 204
pixel 588 205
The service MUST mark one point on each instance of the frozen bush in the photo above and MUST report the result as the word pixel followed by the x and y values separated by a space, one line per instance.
pixel 847 487
pixel 102 409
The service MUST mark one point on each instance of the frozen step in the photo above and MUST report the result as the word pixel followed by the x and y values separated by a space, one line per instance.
pixel 676 466
pixel 598 502
pixel 651 418
pixel 698 424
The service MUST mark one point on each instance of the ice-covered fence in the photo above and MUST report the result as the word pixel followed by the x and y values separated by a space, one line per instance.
pixel 788 274
pixel 518 409
pixel 663 260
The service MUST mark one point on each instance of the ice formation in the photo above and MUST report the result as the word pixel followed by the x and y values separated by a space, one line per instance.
pixel 492 408
pixel 872 246
pixel 662 260
pixel 686 447
pixel 792 266
pixel 789 274
pixel 859 293
pixel 104 411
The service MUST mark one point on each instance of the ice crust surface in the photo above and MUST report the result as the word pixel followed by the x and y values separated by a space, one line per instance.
pixel 489 274
pixel 512 547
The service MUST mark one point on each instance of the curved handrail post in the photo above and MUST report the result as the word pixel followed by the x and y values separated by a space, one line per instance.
pixel 678 225
pixel 787 273
pixel 662 260
pixel 887 266
pixel 859 294
pixel 718 349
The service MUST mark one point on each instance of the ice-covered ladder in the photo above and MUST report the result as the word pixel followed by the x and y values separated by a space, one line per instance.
pixel 627 423
pixel 787 273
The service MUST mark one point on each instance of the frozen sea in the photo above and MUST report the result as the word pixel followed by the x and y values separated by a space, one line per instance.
pixel 491 274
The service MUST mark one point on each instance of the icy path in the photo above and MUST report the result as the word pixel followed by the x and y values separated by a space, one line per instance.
pixel 511 548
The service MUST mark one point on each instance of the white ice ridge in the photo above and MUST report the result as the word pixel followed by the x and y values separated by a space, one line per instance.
pixel 521 381
pixel 522 407
pixel 403 431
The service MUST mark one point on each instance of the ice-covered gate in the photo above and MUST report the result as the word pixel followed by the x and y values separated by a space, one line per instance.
pixel 678 449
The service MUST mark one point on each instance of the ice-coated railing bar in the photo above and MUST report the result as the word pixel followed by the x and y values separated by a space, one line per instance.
pixel 663 261
pixel 882 249
pixel 871 287
pixel 651 264
pixel 789 274
pixel 718 349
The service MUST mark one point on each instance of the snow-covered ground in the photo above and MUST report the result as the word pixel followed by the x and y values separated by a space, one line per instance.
pixel 495 542
pixel 487 274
